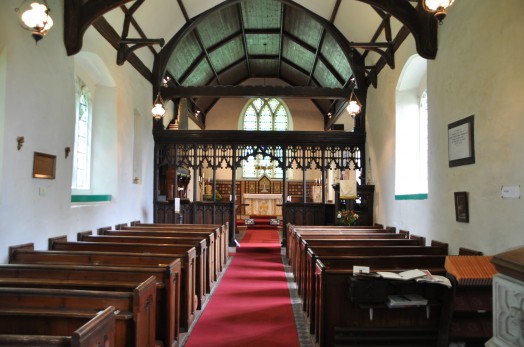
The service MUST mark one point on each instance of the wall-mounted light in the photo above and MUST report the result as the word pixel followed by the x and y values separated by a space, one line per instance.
pixel 19 142
pixel 158 107
pixel 37 20
pixel 354 106
pixel 437 7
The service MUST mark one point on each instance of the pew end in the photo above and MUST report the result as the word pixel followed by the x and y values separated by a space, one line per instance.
pixel 392 229
pixel 469 251
pixel 25 246
pixel 120 226
pixel 98 331
pixel 102 230
pixel 421 239
pixel 80 235
pixel 53 240
pixel 440 244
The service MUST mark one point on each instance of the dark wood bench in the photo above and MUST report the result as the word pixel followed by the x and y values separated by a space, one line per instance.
pixel 97 331
pixel 213 248
pixel 221 234
pixel 294 243
pixel 211 260
pixel 189 297
pixel 294 231
pixel 307 277
pixel 351 310
pixel 179 244
pixel 307 242
pixel 295 249
pixel 135 321
pixel 110 267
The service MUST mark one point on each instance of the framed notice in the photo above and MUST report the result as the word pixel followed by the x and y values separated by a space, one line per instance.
pixel 44 165
pixel 461 144
pixel 461 207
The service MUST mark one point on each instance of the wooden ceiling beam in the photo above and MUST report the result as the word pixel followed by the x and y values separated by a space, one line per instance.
pixel 79 15
pixel 255 91
pixel 111 36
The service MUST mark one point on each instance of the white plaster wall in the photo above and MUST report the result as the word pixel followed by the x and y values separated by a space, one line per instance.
pixel 477 72
pixel 39 105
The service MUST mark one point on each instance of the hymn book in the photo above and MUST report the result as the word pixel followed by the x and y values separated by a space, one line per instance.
pixel 404 275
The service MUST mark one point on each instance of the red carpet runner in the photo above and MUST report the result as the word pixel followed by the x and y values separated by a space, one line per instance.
pixel 251 306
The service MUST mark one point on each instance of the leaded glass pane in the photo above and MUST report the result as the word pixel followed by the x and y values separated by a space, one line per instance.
pixel 258 104
pixel 281 119
pixel 273 103
pixel 264 114
pixel 266 119
pixel 250 119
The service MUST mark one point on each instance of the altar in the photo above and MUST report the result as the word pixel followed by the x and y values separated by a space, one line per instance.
pixel 263 204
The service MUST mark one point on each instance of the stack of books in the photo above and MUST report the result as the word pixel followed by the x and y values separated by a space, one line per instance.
pixel 406 300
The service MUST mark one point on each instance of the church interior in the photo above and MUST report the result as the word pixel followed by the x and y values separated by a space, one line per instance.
pixel 219 123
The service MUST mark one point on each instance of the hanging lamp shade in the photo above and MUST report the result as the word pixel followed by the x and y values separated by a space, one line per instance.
pixel 158 110
pixel 437 7
pixel 37 20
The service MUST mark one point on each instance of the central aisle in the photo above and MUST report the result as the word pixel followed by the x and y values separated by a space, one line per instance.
pixel 251 306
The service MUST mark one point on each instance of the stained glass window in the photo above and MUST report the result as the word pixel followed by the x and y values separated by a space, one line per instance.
pixel 264 114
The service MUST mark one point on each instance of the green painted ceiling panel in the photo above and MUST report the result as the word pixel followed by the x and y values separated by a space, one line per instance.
pixel 227 54
pixel 184 54
pixel 298 54
pixel 219 25
pixel 324 76
pixel 263 44
pixel 335 55
pixel 301 25
pixel 262 14
pixel 200 76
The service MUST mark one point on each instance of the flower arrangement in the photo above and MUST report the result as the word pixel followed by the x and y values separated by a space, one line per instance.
pixel 347 217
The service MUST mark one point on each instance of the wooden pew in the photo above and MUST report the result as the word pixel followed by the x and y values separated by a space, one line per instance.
pixel 296 237
pixel 189 298
pixel 104 268
pixel 214 246
pixel 294 232
pixel 202 283
pixel 351 311
pixel 295 251
pixel 213 258
pixel 307 242
pixel 97 331
pixel 221 234
pixel 307 277
pixel 135 322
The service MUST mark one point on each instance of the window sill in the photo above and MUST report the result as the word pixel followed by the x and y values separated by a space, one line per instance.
pixel 88 199
pixel 412 197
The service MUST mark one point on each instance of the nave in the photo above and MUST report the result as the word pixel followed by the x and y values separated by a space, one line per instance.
pixel 255 302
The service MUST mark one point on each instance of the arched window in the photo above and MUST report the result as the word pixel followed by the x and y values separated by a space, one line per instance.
pixel 411 138
pixel 264 114
pixel 82 152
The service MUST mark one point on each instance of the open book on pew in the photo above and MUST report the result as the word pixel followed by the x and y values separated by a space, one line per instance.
pixel 417 275
pixel 404 275
pixel 406 300
pixel 430 278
